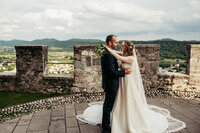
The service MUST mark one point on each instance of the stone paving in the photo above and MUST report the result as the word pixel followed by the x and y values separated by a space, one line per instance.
pixel 63 120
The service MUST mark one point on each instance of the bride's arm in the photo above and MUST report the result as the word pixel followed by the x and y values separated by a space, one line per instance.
pixel 118 52
pixel 127 59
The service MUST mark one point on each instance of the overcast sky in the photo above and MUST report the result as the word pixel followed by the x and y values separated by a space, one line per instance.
pixel 95 19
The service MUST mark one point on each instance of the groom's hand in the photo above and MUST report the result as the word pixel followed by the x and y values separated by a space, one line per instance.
pixel 128 71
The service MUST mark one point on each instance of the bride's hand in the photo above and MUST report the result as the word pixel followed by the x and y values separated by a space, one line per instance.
pixel 105 46
pixel 109 49
pixel 120 53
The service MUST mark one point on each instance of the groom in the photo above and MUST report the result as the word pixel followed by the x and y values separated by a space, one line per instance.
pixel 110 80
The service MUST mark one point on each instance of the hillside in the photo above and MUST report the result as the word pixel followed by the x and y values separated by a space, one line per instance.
pixel 169 48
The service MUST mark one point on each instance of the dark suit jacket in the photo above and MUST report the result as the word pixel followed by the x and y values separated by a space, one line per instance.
pixel 110 73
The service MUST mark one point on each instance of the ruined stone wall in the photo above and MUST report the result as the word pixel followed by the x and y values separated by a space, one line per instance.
pixel 148 60
pixel 193 65
pixel 31 65
pixel 87 67
pixel 7 81
pixel 32 75
pixel 58 83
pixel 173 81
pixel 184 82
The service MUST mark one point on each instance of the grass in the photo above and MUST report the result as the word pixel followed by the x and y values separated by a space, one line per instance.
pixel 183 68
pixel 171 61
pixel 61 57
pixel 63 61
pixel 8 98
pixel 165 63
pixel 58 54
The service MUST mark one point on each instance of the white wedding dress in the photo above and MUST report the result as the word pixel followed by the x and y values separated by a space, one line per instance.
pixel 131 113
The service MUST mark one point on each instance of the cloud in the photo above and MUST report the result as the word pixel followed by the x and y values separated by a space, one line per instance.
pixel 195 5
pixel 95 19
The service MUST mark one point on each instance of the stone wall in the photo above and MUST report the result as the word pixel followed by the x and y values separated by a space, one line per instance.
pixel 173 81
pixel 7 81
pixel 148 60
pixel 87 71
pixel 31 66
pixel 193 65
pixel 184 82
pixel 176 81
pixel 32 73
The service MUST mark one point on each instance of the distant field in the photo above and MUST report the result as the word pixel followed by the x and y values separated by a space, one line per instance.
pixel 171 61
pixel 55 48
pixel 165 63
pixel 60 54
pixel 53 58
pixel 60 57
pixel 66 57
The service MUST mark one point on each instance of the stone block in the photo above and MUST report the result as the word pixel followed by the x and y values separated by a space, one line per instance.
pixel 39 123
pixel 7 127
pixel 84 52
pixel 58 112
pixel 88 61
pixel 73 130
pixel 71 122
pixel 21 129
pixel 57 126
pixel 70 112
pixel 96 62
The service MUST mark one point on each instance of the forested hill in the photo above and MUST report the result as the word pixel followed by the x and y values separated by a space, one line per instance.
pixel 171 49
pixel 168 48
pixel 67 45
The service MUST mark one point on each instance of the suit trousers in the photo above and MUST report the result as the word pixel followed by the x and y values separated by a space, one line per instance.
pixel 107 108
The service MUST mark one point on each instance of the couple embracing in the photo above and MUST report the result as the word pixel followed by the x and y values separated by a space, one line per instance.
pixel 125 109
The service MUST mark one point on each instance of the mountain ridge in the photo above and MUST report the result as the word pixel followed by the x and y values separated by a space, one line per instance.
pixel 169 48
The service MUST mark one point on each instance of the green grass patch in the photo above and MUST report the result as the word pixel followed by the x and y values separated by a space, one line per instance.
pixel 60 54
pixel 166 62
pixel 183 68
pixel 62 61
pixel 14 98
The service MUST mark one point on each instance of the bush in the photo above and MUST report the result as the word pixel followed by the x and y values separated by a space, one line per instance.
pixel 164 65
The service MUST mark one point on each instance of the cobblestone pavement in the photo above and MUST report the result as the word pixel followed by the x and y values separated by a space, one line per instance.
pixel 63 120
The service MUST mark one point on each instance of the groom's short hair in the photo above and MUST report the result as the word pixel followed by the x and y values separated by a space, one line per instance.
pixel 109 38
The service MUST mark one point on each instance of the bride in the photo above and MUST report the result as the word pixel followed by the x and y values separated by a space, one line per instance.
pixel 131 113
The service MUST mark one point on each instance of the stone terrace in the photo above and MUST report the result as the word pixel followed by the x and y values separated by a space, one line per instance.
pixel 63 120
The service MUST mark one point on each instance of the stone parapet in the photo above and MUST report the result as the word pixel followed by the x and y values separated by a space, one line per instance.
pixel 193 64
pixel 31 65
pixel 7 81
pixel 32 73
pixel 87 67
pixel 58 83
pixel 148 60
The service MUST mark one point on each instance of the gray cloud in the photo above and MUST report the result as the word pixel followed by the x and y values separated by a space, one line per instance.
pixel 138 19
